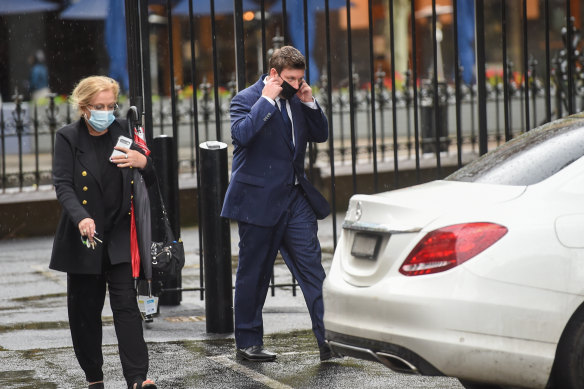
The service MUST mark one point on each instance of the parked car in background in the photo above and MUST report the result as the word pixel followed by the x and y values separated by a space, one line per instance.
pixel 479 276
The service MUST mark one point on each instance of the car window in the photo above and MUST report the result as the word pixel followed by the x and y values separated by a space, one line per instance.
pixel 530 158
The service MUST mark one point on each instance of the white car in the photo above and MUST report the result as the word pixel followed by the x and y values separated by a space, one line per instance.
pixel 479 276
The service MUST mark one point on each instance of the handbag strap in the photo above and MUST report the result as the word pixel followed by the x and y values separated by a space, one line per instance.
pixel 167 227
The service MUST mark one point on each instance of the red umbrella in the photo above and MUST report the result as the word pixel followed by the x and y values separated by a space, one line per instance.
pixel 134 247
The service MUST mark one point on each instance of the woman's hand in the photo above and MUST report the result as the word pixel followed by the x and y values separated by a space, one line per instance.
pixel 132 158
pixel 87 228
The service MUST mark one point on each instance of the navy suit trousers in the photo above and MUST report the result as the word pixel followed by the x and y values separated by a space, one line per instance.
pixel 295 235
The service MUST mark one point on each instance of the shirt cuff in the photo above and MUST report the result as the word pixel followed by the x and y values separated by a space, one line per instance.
pixel 270 100
pixel 311 104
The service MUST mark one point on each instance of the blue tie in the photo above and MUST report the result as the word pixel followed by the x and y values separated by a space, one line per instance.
pixel 287 121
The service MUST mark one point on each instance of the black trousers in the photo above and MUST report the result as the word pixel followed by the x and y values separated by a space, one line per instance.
pixel 85 299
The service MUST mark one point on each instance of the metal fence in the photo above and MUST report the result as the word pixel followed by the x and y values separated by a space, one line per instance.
pixel 384 120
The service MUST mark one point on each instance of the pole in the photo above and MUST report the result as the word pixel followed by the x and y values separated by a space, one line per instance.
pixel 216 238
pixel 481 77
pixel 134 54
pixel 239 44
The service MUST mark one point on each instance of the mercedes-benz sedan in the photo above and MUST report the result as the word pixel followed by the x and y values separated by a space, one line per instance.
pixel 479 276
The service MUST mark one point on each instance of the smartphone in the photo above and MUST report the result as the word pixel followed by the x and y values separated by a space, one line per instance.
pixel 122 142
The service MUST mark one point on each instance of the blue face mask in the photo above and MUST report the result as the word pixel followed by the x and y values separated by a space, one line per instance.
pixel 101 120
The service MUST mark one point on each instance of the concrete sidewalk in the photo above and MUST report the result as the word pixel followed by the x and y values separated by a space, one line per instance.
pixel 26 278
pixel 34 333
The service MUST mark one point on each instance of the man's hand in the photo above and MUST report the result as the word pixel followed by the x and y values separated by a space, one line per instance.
pixel 272 88
pixel 305 93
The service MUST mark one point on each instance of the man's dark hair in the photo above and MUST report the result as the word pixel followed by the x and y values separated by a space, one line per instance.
pixel 287 57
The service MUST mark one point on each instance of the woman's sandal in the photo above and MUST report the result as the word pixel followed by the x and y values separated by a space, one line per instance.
pixel 148 384
pixel 96 385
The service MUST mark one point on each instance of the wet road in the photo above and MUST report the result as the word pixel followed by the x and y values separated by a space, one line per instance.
pixel 36 351
pixel 211 364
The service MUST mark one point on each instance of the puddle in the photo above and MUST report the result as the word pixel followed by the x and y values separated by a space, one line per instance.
pixel 39 297
pixel 50 325
pixel 47 325
pixel 23 379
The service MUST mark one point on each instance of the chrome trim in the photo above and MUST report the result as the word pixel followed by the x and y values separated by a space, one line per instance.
pixel 358 211
pixel 412 369
pixel 378 228
pixel 382 357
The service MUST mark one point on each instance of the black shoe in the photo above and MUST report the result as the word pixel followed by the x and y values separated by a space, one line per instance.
pixel 255 353
pixel 326 353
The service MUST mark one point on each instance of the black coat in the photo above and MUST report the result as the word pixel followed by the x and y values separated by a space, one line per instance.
pixel 76 176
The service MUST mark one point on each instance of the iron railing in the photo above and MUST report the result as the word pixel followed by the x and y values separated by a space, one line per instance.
pixel 381 122
pixel 27 130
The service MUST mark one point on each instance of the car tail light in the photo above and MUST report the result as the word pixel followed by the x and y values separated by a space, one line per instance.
pixel 447 247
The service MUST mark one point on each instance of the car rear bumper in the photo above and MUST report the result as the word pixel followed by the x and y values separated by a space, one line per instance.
pixel 439 326
pixel 395 357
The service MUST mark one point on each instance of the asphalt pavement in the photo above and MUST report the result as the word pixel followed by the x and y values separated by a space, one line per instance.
pixel 36 349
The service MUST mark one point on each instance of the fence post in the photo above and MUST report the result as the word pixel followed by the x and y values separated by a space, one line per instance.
pixel 133 37
pixel 216 238
pixel 481 78
pixel 164 159
pixel 239 44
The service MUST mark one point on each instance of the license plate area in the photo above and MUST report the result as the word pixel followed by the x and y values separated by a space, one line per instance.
pixel 366 246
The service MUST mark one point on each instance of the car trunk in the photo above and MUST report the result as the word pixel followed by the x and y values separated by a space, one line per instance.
pixel 380 230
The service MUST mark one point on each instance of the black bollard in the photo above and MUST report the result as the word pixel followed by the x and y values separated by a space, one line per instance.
pixel 216 238
pixel 165 164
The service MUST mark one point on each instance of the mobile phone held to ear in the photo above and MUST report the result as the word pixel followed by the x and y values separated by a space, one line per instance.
pixel 122 142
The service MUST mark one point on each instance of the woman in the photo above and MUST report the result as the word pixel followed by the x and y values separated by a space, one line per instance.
pixel 92 242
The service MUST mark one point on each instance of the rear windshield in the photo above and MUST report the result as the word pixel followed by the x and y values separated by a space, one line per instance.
pixel 530 158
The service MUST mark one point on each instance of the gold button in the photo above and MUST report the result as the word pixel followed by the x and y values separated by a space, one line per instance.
pixel 85 189
pixel 129 213
pixel 84 173
pixel 132 196
pixel 131 167
pixel 132 182
pixel 84 202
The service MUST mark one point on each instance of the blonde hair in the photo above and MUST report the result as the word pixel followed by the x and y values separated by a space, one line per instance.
pixel 88 87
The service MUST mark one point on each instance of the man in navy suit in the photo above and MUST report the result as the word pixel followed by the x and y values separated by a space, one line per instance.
pixel 276 207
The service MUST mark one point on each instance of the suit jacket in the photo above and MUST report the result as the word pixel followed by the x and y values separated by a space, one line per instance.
pixel 265 162
pixel 77 180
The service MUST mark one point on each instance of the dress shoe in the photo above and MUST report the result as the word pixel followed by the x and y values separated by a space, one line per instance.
pixel 255 353
pixel 326 353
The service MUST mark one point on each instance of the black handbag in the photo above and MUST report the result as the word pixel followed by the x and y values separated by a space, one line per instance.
pixel 168 256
